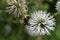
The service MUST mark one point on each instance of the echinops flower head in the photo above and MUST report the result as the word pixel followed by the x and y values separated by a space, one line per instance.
pixel 16 7
pixel 40 23
pixel 58 6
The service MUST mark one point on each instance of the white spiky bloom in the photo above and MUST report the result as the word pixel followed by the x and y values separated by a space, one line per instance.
pixel 58 6
pixel 40 23
pixel 16 7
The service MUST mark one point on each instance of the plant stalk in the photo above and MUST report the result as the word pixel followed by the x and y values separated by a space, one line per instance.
pixel 39 37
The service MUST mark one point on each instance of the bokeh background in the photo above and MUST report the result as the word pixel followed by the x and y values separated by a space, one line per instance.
pixel 12 28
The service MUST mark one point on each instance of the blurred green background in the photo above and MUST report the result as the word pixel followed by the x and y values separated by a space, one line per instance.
pixel 16 30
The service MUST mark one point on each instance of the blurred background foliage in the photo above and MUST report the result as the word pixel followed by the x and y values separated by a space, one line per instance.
pixel 12 28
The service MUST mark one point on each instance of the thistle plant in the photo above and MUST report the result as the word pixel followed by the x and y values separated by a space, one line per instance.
pixel 29 18
pixel 39 23
pixel 58 6
pixel 16 7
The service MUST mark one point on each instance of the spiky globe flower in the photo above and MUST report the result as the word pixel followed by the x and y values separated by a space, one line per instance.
pixel 40 23
pixel 16 7
pixel 58 6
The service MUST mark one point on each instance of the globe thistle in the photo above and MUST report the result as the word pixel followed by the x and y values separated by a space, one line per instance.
pixel 40 23
pixel 58 6
pixel 16 7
